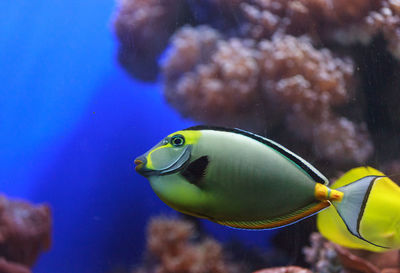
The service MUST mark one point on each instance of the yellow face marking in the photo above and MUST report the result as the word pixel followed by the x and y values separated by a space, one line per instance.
pixel 191 137
pixel 149 163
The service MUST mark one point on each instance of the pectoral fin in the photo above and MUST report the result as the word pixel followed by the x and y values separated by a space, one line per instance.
pixel 196 170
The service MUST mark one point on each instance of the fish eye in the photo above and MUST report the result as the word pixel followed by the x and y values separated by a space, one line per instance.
pixel 177 140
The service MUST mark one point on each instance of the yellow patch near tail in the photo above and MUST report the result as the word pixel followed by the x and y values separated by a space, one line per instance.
pixel 324 193
pixel 278 221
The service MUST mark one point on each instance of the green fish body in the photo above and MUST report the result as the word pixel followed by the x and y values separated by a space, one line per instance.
pixel 239 179
pixel 243 180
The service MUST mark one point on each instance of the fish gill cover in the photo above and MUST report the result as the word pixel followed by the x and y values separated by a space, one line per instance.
pixel 316 74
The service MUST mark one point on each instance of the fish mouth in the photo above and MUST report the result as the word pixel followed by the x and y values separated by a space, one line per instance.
pixel 174 167
pixel 139 162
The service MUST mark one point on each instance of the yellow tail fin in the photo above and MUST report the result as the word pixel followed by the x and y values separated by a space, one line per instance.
pixel 354 175
pixel 331 225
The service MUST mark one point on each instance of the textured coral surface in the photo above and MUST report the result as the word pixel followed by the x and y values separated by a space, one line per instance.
pixel 10 267
pixel 292 70
pixel 173 248
pixel 286 269
pixel 332 258
pixel 136 25
pixel 25 231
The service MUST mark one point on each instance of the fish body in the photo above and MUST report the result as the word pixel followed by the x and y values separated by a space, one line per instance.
pixel 243 180
pixel 378 222
pixel 236 178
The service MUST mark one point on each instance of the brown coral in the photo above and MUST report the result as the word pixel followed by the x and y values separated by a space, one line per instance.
pixel 314 17
pixel 340 139
pixel 24 233
pixel 215 80
pixel 209 78
pixel 322 255
pixel 10 267
pixel 310 83
pixel 143 28
pixel 251 67
pixel 286 269
pixel 169 243
pixel 328 257
pixel 303 77
pixel 385 20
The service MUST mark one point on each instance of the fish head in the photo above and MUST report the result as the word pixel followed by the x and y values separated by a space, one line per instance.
pixel 163 164
pixel 169 156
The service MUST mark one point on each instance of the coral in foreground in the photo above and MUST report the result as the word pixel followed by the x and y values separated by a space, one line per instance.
pixel 322 255
pixel 285 269
pixel 10 267
pixel 327 257
pixel 172 248
pixel 175 246
pixel 25 231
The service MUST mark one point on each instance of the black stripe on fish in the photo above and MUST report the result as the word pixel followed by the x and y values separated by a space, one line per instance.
pixel 277 147
pixel 364 203
pixel 196 170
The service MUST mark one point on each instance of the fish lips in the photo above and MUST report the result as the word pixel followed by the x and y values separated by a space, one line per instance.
pixel 174 167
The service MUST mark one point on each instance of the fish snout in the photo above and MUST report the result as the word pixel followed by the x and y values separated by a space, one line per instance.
pixel 140 162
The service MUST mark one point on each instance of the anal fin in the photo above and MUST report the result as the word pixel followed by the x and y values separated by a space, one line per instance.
pixel 280 221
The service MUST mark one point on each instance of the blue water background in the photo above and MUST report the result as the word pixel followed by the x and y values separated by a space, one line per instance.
pixel 71 123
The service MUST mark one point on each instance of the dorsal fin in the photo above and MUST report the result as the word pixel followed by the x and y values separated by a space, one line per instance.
pixel 300 162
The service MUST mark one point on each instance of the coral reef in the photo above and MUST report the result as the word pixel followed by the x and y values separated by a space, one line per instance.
pixel 264 18
pixel 214 80
pixel 174 245
pixel 143 27
pixel 207 84
pixel 10 267
pixel 173 248
pixel 384 19
pixel 322 255
pixel 25 231
pixel 286 69
pixel 327 257
pixel 286 269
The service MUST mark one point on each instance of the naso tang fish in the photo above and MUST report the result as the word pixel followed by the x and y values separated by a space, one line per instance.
pixel 243 180
pixel 378 221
